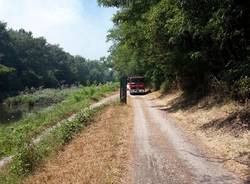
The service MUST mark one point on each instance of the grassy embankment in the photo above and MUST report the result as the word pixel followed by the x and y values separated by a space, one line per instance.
pixel 12 136
pixel 28 156
pixel 15 108
pixel 41 97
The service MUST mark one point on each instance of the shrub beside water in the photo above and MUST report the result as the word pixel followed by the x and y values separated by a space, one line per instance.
pixel 25 160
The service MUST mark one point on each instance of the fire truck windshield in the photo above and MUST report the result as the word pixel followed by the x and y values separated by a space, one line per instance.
pixel 137 79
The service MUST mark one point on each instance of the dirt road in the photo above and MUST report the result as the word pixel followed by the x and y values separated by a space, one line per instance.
pixel 137 144
pixel 164 154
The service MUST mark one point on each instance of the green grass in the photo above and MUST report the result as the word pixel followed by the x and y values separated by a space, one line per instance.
pixel 14 135
pixel 30 156
pixel 45 96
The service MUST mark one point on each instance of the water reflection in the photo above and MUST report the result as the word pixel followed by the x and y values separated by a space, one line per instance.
pixel 11 114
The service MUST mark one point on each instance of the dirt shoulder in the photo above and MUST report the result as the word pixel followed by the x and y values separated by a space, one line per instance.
pixel 100 154
pixel 217 126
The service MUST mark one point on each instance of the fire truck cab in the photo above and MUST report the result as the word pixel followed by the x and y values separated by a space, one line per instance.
pixel 136 85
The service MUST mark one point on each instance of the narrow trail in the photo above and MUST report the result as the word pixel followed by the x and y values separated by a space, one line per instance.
pixel 163 154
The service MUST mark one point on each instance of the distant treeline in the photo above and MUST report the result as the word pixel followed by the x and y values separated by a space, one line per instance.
pixel 27 62
pixel 198 45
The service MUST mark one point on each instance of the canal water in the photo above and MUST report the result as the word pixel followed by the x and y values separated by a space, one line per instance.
pixel 11 114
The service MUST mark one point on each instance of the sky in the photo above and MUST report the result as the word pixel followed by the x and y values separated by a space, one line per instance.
pixel 78 26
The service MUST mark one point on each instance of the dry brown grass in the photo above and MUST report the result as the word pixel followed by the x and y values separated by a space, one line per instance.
pixel 229 142
pixel 100 154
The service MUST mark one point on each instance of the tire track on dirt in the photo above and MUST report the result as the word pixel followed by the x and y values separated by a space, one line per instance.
pixel 181 158
pixel 153 157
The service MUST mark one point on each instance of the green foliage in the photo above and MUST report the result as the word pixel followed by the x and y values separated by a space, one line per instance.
pixel 25 160
pixel 5 70
pixel 166 85
pixel 243 86
pixel 44 96
pixel 28 156
pixel 29 62
pixel 69 129
pixel 13 135
pixel 183 41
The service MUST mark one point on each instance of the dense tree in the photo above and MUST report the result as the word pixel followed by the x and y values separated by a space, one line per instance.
pixel 27 62
pixel 196 44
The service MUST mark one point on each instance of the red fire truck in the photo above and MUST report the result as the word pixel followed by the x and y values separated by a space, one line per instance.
pixel 136 85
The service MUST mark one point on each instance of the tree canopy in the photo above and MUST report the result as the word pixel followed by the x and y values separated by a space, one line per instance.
pixel 26 61
pixel 195 44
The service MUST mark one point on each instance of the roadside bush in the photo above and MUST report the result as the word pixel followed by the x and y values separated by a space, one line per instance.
pixel 25 160
pixel 29 155
pixel 243 86
pixel 166 85
pixel 77 98
pixel 69 129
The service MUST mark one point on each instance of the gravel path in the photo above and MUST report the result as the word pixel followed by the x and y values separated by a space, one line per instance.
pixel 164 154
